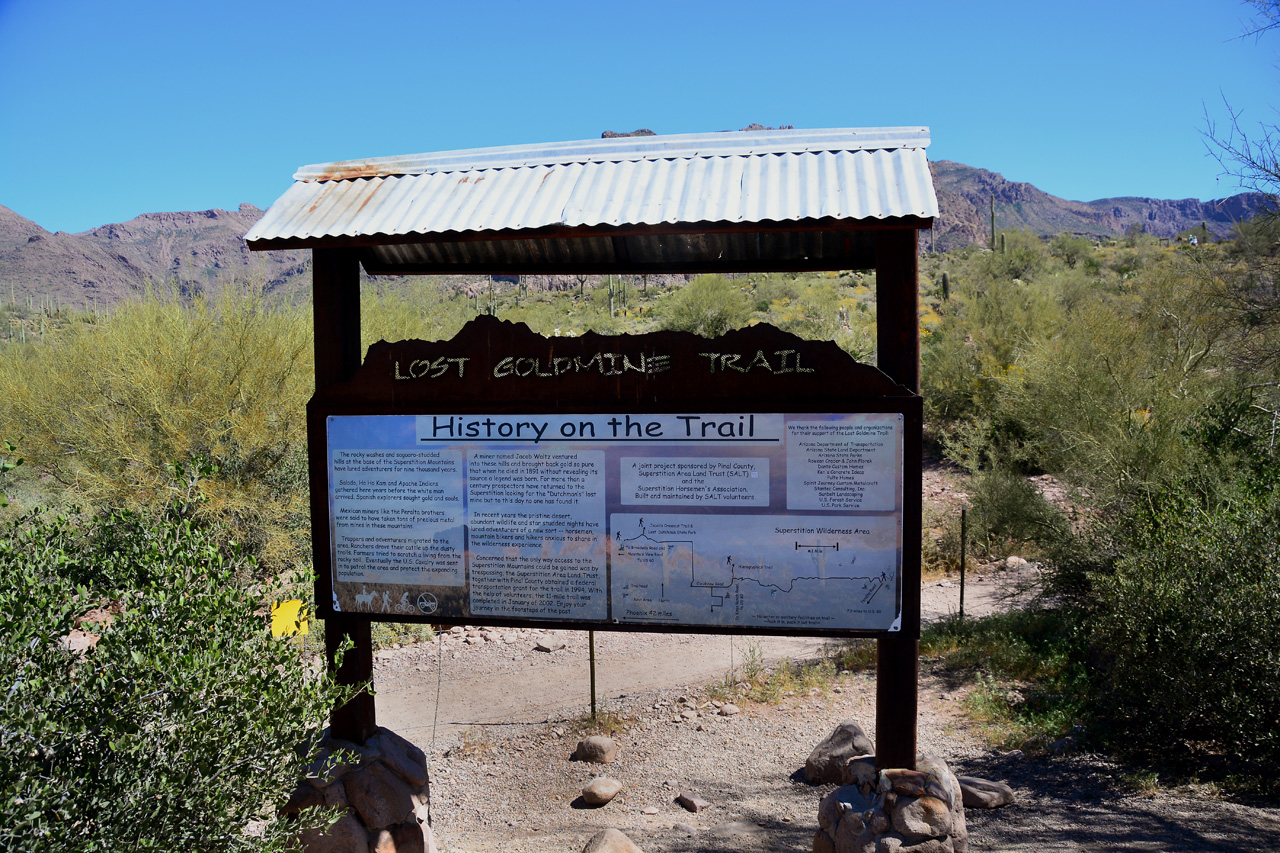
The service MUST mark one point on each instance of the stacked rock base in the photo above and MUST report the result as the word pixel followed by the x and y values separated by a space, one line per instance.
pixel 382 788
pixel 920 810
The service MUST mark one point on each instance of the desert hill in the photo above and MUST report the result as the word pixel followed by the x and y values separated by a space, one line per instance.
pixel 194 249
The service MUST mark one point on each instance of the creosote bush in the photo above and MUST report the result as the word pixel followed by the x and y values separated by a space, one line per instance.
pixel 144 704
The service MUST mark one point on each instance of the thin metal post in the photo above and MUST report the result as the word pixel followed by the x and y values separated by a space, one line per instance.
pixel 591 647
pixel 964 538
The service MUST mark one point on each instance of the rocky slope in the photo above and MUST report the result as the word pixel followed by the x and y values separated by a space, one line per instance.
pixel 965 193
pixel 94 269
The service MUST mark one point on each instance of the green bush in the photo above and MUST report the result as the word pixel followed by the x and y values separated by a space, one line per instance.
pixel 710 305
pixel 168 406
pixel 179 730
pixel 1186 626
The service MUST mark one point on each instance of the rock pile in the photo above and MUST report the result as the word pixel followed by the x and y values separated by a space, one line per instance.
pixel 919 810
pixel 382 787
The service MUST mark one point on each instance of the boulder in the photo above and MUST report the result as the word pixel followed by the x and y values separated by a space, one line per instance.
pixel 601 790
pixel 401 838
pixel 596 749
pixel 409 762
pixel 983 793
pixel 922 817
pixel 611 841
pixel 348 835
pixel 861 771
pixel 379 796
pixel 826 762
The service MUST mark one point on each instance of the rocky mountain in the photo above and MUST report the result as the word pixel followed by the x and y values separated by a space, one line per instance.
pixel 965 194
pixel 189 250
pixel 192 250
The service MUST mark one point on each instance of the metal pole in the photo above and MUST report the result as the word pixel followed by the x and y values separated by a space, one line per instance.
pixel 591 646
pixel 964 539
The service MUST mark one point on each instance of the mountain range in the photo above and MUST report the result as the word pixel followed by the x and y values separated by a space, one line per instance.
pixel 193 250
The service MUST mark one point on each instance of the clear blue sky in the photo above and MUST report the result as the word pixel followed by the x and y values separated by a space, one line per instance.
pixel 112 109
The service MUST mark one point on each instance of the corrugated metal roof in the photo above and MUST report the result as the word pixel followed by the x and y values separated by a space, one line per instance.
pixel 735 178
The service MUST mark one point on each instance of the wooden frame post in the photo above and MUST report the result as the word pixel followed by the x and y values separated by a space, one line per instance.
pixel 335 280
pixel 898 348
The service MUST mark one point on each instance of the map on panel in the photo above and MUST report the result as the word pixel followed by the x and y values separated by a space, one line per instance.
pixel 776 571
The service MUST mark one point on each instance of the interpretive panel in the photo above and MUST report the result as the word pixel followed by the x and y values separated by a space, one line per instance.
pixel 726 520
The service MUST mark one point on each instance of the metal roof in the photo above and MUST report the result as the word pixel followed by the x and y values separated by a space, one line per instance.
pixel 563 206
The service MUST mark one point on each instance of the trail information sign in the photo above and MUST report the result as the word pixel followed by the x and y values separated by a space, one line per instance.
pixel 692 511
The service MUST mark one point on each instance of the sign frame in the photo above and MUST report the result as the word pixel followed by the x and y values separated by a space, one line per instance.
pixel 402 379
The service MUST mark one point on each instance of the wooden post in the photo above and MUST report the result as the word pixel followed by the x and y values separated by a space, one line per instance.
pixel 898 348
pixel 335 284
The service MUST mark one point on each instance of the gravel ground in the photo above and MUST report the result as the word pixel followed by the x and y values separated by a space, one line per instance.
pixel 500 740
pixel 513 787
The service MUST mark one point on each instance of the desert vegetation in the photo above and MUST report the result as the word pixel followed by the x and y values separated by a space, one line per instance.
pixel 154 476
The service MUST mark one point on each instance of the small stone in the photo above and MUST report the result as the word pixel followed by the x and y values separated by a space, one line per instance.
pixel 601 790
pixel 597 749
pixel 550 644
pixel 692 802
pixel 611 841
pixel 983 793
pixel 685 828
pixel 729 709
pixel 649 810
pixel 689 714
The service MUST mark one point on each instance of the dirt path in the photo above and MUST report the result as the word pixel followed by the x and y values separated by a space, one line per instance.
pixel 500 734
pixel 498 679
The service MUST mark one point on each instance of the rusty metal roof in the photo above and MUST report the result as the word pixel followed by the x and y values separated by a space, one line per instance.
pixel 582 205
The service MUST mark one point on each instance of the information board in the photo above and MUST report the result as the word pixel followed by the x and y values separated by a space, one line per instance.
pixel 786 521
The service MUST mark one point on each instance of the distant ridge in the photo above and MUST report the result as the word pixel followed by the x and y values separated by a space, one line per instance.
pixel 195 249
pixel 964 198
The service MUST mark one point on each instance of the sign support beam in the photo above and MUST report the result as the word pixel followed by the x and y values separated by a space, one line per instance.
pixel 898 355
pixel 336 301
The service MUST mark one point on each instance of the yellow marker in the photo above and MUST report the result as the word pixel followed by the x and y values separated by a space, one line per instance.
pixel 288 619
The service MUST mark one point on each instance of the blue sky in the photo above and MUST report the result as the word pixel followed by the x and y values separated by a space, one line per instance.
pixel 109 110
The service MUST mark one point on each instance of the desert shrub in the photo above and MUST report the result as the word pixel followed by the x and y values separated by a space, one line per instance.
pixel 1071 249
pixel 1009 514
pixel 1186 627
pixel 710 305
pixel 1023 256
pixel 423 309
pixel 179 729
pixel 174 407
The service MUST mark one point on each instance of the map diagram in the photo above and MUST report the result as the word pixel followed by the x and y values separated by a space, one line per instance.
pixel 768 571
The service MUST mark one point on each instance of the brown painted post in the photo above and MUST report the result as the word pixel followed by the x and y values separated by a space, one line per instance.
pixel 898 348
pixel 335 283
